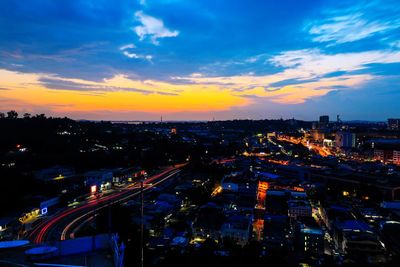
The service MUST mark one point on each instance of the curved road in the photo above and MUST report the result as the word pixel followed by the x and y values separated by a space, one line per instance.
pixel 63 225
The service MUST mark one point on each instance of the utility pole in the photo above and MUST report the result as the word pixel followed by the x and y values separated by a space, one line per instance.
pixel 141 224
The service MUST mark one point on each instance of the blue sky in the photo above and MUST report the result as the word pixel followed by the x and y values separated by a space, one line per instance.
pixel 201 59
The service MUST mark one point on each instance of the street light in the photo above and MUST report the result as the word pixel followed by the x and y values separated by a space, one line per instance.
pixel 142 219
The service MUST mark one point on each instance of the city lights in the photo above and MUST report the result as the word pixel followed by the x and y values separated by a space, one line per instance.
pixel 200 133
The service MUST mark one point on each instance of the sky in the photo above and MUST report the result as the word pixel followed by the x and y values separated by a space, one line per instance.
pixel 201 59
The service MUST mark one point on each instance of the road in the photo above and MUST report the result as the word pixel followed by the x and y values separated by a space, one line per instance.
pixel 64 224
pixel 321 150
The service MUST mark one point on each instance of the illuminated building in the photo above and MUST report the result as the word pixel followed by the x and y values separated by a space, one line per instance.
pixel 259 211
pixel 261 194
pixel 383 155
pixel 396 157
pixel 309 238
pixel 298 208
pixel 121 175
pixel 312 240
pixel 320 130
pixel 102 179
pixel 328 142
pixel 386 149
pixel 318 135
pixel 345 140
pixel 4 222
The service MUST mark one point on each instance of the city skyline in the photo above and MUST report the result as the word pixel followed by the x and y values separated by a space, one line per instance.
pixel 199 60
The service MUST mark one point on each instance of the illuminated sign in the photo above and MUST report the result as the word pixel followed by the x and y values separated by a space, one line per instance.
pixel 43 211
pixel 93 189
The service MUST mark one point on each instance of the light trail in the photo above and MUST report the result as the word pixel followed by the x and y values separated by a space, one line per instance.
pixel 71 224
pixel 39 233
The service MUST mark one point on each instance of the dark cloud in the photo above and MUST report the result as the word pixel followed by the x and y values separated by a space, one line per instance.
pixel 57 84
pixel 292 81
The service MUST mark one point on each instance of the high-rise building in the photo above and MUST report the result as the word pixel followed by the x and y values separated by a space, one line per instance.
pixel 323 122
pixel 324 119
pixel 345 139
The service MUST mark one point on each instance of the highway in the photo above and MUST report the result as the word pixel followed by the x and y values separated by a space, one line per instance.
pixel 321 150
pixel 64 224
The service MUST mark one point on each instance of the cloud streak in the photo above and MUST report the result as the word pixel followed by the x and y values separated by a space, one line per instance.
pixel 355 23
pixel 349 28
pixel 127 50
pixel 88 86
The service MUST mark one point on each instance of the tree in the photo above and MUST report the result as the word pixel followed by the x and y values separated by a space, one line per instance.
pixel 2 115
pixel 40 116
pixel 27 115
pixel 12 114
